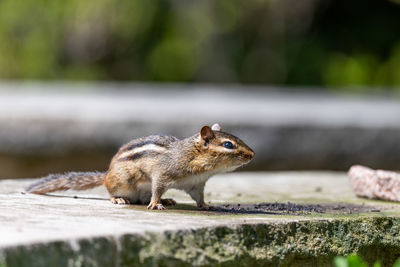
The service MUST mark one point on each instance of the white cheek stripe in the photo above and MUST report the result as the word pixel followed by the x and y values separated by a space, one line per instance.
pixel 149 147
pixel 223 149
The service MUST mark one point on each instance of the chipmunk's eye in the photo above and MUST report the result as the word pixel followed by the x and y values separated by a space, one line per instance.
pixel 228 145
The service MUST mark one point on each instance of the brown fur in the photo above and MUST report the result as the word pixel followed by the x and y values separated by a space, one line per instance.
pixel 66 181
pixel 145 168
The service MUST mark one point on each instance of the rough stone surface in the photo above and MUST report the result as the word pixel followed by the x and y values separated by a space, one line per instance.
pixel 85 229
pixel 52 127
pixel 375 184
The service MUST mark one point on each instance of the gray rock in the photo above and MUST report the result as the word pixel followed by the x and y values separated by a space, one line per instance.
pixel 375 184
pixel 85 229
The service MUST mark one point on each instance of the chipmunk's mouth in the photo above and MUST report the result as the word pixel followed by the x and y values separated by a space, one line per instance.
pixel 242 163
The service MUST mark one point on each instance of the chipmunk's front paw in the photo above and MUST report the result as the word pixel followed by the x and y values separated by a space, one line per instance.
pixel 120 200
pixel 155 206
pixel 168 202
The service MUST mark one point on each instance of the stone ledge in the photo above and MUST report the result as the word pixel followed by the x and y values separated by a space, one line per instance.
pixel 55 127
pixel 296 243
pixel 85 229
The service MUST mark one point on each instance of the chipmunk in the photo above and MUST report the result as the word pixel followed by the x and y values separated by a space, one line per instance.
pixel 143 169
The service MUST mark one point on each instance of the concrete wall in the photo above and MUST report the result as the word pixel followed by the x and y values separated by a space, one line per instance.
pixel 53 127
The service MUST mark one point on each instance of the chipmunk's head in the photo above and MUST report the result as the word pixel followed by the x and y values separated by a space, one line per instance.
pixel 223 150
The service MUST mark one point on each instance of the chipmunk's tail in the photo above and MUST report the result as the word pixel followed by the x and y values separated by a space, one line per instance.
pixel 71 180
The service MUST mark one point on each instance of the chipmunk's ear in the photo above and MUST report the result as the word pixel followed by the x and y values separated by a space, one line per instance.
pixel 206 133
pixel 216 127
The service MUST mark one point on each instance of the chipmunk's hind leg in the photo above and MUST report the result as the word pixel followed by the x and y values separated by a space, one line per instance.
pixel 141 195
pixel 121 191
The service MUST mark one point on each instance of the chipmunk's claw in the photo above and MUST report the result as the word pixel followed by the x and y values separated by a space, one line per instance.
pixel 120 200
pixel 155 206
pixel 168 202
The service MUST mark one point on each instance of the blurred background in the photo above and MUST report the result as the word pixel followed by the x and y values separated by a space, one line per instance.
pixel 309 84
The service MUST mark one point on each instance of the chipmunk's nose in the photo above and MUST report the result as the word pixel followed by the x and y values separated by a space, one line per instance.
pixel 250 154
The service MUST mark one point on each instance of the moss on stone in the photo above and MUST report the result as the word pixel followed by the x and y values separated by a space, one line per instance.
pixel 85 252
pixel 304 243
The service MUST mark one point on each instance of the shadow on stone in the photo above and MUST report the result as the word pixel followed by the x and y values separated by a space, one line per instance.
pixel 266 208
pixel 295 209
pixel 283 208
pixel 75 197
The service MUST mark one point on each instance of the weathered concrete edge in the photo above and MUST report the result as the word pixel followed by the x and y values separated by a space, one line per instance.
pixel 296 243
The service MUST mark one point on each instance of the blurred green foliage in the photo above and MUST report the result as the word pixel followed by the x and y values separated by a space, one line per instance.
pixel 310 42
pixel 352 261
pixel 355 261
